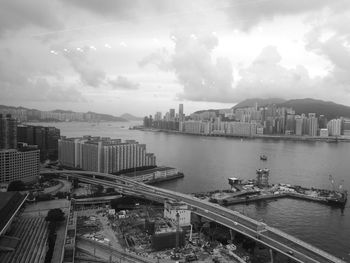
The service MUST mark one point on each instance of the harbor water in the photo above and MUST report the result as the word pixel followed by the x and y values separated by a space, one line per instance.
pixel 208 162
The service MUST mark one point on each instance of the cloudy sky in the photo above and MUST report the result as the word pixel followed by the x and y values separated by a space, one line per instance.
pixel 141 56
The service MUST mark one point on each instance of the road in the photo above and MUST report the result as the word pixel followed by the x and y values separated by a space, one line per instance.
pixel 277 240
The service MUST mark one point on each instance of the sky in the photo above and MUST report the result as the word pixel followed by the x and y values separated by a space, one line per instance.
pixel 118 56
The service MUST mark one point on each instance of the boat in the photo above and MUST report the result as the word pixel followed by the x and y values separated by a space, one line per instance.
pixel 338 198
pixel 263 157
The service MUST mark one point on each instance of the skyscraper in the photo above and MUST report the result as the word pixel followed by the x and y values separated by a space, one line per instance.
pixel 8 132
pixel 181 112
pixel 172 114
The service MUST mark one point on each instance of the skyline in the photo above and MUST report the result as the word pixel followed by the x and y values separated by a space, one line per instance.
pixel 117 57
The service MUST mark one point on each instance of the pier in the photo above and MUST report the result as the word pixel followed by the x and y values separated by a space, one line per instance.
pixel 259 189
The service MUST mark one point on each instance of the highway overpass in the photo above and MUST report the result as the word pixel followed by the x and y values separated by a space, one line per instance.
pixel 273 238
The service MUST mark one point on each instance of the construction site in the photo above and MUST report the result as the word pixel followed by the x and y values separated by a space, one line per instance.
pixel 253 190
pixel 166 232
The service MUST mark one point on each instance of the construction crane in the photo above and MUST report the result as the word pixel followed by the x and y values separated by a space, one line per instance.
pixel 341 185
pixel 332 182
pixel 335 189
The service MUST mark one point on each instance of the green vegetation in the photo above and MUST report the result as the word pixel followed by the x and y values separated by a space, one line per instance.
pixel 55 215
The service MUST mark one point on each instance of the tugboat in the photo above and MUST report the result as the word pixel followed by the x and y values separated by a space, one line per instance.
pixel 263 157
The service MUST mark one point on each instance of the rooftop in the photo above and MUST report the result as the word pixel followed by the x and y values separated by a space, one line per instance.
pixel 9 203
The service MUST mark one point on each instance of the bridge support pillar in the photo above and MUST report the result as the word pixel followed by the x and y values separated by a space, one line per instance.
pixel 231 234
pixel 272 255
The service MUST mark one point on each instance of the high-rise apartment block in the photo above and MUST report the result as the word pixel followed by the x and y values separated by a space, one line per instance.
pixel 8 132
pixel 22 164
pixel 19 165
pixel 158 116
pixel 103 154
pixel 346 127
pixel 334 127
pixel 45 137
pixel 312 124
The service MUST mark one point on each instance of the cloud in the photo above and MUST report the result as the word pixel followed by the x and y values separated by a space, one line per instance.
pixel 203 77
pixel 160 58
pixel 330 40
pixel 266 78
pixel 246 14
pixel 22 83
pixel 89 74
pixel 123 83
pixel 17 14
pixel 124 9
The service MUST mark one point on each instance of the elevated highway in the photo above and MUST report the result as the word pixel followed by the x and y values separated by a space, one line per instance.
pixel 293 248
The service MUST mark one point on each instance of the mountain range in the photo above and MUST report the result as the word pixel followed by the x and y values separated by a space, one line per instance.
pixel 34 114
pixel 130 117
pixel 329 109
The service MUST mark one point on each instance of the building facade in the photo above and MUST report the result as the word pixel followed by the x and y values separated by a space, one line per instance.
pixel 19 165
pixel 45 137
pixel 172 210
pixel 103 154
pixel 335 127
pixel 8 132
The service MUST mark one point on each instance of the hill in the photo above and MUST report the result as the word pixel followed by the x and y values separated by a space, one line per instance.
pixel 202 111
pixel 105 117
pixel 327 108
pixel 261 102
pixel 35 115
pixel 130 117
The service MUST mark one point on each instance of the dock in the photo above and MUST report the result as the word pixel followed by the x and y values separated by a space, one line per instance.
pixel 259 189
pixel 249 199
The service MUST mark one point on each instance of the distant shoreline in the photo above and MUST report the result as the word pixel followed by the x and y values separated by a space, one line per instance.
pixel 273 137
pixel 58 121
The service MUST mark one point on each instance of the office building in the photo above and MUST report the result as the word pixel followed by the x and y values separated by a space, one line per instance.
pixel 181 112
pixel 172 114
pixel 19 165
pixel 8 132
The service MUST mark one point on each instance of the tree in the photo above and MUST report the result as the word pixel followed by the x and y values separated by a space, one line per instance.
pixel 109 190
pixel 16 186
pixel 99 189
pixel 55 215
